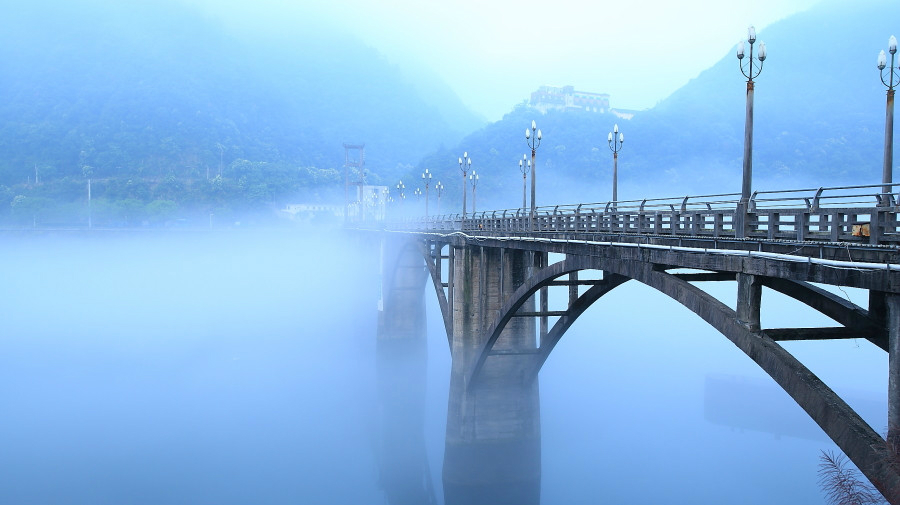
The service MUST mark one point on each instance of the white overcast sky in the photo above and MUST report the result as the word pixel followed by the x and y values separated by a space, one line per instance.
pixel 493 53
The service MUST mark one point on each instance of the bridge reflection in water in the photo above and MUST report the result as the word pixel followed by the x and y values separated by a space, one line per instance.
pixel 401 355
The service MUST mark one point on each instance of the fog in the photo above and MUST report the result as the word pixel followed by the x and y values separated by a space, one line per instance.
pixel 239 367
pixel 604 47
pixel 176 330
pixel 231 368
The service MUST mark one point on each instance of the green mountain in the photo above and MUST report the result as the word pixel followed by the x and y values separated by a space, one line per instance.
pixel 133 94
pixel 819 121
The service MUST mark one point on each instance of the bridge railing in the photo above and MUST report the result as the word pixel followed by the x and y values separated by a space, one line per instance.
pixel 847 213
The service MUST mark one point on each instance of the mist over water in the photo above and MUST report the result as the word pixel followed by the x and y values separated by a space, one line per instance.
pixel 158 368
pixel 240 367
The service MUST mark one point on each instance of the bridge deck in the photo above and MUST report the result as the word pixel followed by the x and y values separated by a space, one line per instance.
pixel 867 267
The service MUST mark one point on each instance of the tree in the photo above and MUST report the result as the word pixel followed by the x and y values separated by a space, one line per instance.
pixel 844 485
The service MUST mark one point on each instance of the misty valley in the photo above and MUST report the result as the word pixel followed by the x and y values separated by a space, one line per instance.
pixel 290 253
pixel 241 366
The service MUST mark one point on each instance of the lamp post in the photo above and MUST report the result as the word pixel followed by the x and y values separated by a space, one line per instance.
pixel 91 213
pixel 439 187
pixel 384 202
pixel 751 68
pixel 891 78
pixel 524 167
pixel 474 178
pixel 418 193
pixel 401 196
pixel 426 176
pixel 615 141
pixel 533 139
pixel 465 163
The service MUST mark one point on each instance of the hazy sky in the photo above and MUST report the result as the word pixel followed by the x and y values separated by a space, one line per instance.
pixel 493 53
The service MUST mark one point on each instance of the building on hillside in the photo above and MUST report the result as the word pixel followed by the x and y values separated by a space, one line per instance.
pixel 370 204
pixel 624 113
pixel 566 98
pixel 311 212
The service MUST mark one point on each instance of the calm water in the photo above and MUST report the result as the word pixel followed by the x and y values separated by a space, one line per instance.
pixel 240 368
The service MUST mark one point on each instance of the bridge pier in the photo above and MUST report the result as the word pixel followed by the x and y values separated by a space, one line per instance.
pixel 401 367
pixel 892 306
pixel 749 300
pixel 493 445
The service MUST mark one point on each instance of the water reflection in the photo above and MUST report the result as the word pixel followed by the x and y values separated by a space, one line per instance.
pixel 401 369
pixel 404 473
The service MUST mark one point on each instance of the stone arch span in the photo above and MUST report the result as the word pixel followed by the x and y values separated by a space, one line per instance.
pixel 839 421
pixel 405 258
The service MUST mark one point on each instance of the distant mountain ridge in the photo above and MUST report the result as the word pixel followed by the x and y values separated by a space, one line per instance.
pixel 819 104
pixel 154 88
pixel 819 121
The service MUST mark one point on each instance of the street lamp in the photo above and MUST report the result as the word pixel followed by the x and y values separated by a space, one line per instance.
pixel 751 69
pixel 474 178
pixel 426 176
pixel 400 188
pixel 374 204
pixel 465 163
pixel 891 78
pixel 418 193
pixel 439 187
pixel 615 145
pixel 524 167
pixel 533 139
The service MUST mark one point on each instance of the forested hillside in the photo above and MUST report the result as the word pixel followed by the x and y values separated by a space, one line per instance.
pixel 167 111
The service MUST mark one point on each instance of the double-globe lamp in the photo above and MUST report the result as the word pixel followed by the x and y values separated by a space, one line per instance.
pixel 524 167
pixel 426 177
pixel 533 139
pixel 890 76
pixel 465 163
pixel 615 139
pixel 751 68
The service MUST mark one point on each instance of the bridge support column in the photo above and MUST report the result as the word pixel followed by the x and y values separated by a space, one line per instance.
pixel 401 365
pixel 540 260
pixel 493 446
pixel 892 302
pixel 749 299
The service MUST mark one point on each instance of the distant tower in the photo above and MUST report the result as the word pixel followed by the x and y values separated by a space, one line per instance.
pixel 354 157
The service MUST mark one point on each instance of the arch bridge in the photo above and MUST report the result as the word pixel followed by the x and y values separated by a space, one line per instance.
pixel 492 273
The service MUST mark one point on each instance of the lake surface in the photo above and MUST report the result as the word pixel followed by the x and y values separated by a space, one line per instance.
pixel 239 367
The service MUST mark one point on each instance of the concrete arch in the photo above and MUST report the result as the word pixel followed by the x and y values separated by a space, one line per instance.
pixel 829 304
pixel 401 254
pixel 841 423
pixel 844 426
pixel 402 310
pixel 518 298
pixel 431 265
pixel 610 282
